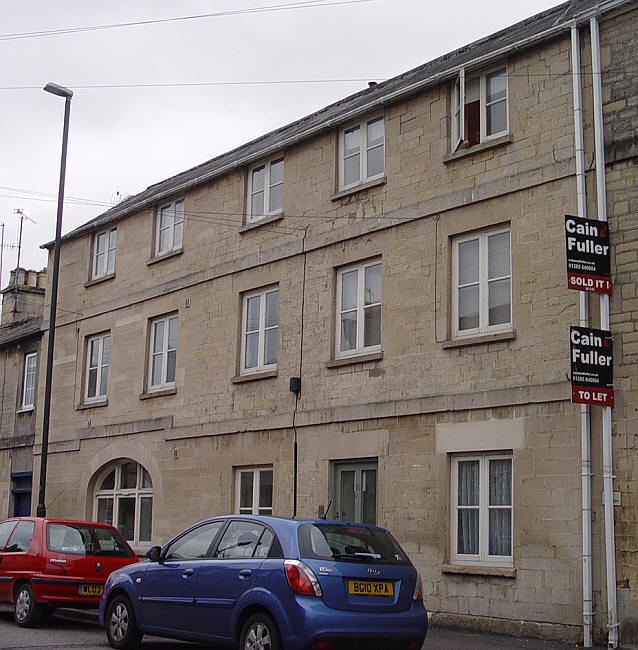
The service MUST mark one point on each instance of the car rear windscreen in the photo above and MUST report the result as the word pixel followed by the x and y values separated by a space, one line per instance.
pixel 86 540
pixel 349 543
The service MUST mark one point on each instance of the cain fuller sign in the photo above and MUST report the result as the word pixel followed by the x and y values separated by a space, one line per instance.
pixel 587 246
pixel 591 366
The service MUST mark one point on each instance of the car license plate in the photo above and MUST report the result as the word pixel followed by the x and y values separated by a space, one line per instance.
pixel 370 588
pixel 91 590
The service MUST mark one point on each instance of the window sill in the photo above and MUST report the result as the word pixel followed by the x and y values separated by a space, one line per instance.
pixel 349 361
pixel 498 571
pixel 255 376
pixel 510 335
pixel 251 225
pixel 26 409
pixel 91 405
pixel 102 278
pixel 164 256
pixel 158 393
pixel 478 148
pixel 358 188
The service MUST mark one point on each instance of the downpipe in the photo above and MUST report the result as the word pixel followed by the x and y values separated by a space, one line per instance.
pixel 608 473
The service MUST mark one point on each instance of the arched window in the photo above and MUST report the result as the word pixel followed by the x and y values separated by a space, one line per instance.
pixel 124 498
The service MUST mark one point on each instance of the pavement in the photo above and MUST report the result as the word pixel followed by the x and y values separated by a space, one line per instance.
pixel 438 638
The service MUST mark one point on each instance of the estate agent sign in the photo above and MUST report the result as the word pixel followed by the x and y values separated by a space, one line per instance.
pixel 591 366
pixel 587 247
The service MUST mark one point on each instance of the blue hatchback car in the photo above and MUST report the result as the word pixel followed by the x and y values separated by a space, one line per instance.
pixel 270 583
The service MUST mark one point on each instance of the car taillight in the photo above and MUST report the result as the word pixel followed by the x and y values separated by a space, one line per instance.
pixel 418 589
pixel 301 578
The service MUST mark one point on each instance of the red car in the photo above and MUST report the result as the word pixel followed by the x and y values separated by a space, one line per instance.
pixel 45 563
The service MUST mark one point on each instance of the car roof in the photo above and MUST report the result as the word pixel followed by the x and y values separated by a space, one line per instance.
pixel 56 520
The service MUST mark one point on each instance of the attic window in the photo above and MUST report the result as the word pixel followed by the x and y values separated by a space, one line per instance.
pixel 479 108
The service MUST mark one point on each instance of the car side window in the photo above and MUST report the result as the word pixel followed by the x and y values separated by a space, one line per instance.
pixel 21 537
pixel 263 545
pixel 5 528
pixel 195 544
pixel 239 540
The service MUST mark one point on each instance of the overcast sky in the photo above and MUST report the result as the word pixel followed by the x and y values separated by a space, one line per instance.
pixel 123 139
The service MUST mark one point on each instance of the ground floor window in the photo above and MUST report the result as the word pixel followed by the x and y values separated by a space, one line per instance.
pixel 253 491
pixel 21 493
pixel 124 498
pixel 482 509
pixel 355 491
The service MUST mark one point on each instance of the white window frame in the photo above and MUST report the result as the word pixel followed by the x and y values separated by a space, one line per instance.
pixel 483 282
pixel 255 508
pixel 107 254
pixel 482 557
pixel 268 186
pixel 29 381
pixel 360 348
pixel 138 492
pixel 99 395
pixel 174 244
pixel 164 384
pixel 458 107
pixel 363 151
pixel 261 366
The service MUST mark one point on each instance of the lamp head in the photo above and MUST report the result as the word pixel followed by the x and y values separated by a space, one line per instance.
pixel 58 90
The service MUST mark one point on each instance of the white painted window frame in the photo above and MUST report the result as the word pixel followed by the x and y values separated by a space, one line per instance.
pixel 107 254
pixel 458 106
pixel 360 349
pixel 99 396
pixel 484 327
pixel 261 366
pixel 29 381
pixel 255 505
pixel 173 244
pixel 363 151
pixel 164 384
pixel 138 492
pixel 483 558
pixel 268 185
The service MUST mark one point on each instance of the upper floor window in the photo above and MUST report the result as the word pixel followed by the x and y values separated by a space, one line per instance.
pixel 359 309
pixel 479 108
pixel 482 301
pixel 124 498
pixel 362 153
pixel 265 190
pixel 104 244
pixel 163 353
pixel 482 509
pixel 28 382
pixel 260 330
pixel 97 366
pixel 169 228
pixel 254 491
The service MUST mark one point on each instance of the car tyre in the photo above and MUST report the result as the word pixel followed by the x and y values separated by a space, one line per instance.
pixel 121 627
pixel 260 633
pixel 26 612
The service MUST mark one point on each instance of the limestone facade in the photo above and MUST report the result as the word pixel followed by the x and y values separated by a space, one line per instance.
pixel 408 410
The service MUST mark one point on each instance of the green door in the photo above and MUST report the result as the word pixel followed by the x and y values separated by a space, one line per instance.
pixel 355 491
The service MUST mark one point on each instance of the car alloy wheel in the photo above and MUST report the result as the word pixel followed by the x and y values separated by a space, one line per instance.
pixel 25 610
pixel 121 628
pixel 260 633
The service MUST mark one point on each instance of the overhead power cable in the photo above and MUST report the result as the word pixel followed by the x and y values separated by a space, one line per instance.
pixel 305 4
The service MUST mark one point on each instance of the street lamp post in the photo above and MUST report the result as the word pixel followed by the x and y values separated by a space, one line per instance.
pixel 60 91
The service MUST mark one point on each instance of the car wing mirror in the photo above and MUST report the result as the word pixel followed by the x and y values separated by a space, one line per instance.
pixel 154 553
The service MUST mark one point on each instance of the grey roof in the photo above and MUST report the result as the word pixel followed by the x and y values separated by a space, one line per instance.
pixel 522 35
pixel 20 331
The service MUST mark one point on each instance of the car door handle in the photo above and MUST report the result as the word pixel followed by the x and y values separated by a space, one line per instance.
pixel 187 573
pixel 245 573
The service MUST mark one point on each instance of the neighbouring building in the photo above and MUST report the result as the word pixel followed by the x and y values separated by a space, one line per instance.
pixel 402 254
pixel 20 335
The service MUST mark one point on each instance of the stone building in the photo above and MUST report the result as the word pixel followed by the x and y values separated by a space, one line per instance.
pixel 402 254
pixel 20 335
